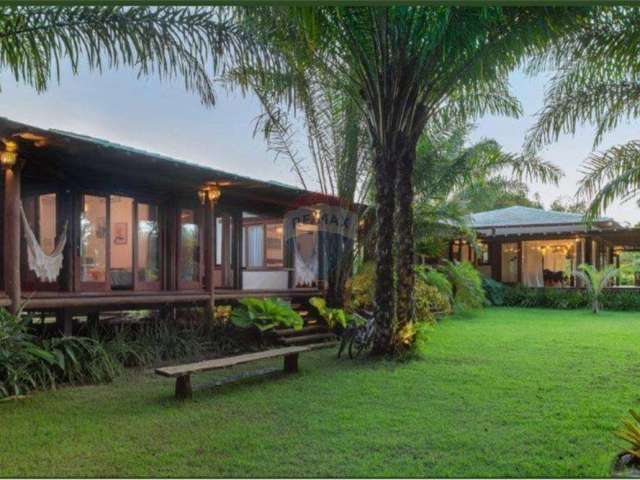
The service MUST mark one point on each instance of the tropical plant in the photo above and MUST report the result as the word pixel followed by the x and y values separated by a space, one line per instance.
pixel 596 281
pixel 431 276
pixel 265 314
pixel 493 290
pixel 409 66
pixel 360 289
pixel 194 44
pixel 630 432
pixel 332 316
pixel 597 80
pixel 468 293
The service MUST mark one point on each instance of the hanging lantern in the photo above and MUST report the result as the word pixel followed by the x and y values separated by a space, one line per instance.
pixel 9 156
pixel 210 192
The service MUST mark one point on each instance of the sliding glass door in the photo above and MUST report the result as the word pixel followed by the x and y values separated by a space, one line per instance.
pixel 92 265
pixel 119 244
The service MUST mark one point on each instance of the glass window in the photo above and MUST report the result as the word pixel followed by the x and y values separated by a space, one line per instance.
pixel 274 253
pixel 121 251
pixel 93 239
pixel 483 254
pixel 510 262
pixel 189 247
pixel 148 243
pixel 255 246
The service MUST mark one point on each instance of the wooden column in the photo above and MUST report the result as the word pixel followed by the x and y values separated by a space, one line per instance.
pixel 236 254
pixel 11 252
pixel 209 258
pixel 226 251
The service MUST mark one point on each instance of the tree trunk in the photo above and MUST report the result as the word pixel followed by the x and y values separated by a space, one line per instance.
pixel 405 237
pixel 385 173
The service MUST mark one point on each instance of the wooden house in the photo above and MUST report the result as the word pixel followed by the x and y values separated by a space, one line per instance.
pixel 142 230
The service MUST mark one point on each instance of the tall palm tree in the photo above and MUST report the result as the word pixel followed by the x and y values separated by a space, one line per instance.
pixel 193 44
pixel 597 81
pixel 404 63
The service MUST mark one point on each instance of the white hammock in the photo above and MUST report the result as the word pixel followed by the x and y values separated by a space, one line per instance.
pixel 306 269
pixel 46 267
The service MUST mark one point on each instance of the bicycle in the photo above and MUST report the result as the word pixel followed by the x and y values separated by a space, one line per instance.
pixel 358 337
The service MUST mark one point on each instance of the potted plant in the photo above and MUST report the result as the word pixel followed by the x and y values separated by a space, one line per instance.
pixel 627 463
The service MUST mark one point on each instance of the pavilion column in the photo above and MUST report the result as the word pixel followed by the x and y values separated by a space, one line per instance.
pixel 209 258
pixel 11 251
pixel 226 251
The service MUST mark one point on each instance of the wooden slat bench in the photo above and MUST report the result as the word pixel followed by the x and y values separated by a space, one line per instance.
pixel 182 373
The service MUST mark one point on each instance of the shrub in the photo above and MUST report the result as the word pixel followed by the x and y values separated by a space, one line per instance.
pixel 28 363
pixel 265 314
pixel 436 279
pixel 332 316
pixel 429 300
pixel 468 293
pixel 630 432
pixel 494 291
pixel 596 281
pixel 361 288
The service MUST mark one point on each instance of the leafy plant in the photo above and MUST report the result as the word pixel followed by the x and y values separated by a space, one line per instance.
pixel 595 281
pixel 361 288
pixel 437 279
pixel 630 432
pixel 333 316
pixel 265 314
pixel 429 301
pixel 494 291
pixel 468 293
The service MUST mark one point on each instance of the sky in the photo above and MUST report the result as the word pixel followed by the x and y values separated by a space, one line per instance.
pixel 162 117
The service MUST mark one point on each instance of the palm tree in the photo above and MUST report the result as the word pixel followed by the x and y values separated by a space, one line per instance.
pixel 596 281
pixel 193 44
pixel 598 81
pixel 403 63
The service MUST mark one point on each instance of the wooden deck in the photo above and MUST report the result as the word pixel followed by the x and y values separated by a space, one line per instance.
pixel 137 300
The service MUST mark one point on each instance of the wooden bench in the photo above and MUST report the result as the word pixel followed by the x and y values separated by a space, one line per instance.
pixel 182 373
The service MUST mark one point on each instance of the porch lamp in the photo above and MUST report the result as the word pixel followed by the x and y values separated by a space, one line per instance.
pixel 210 192
pixel 9 156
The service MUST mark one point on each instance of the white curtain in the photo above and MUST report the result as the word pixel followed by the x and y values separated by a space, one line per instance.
pixel 532 265
pixel 255 246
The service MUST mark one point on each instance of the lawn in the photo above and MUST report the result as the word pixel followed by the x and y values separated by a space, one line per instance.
pixel 507 392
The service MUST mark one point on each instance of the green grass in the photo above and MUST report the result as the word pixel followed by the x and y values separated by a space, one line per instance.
pixel 509 392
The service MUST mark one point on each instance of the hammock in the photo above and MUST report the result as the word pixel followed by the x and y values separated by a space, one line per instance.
pixel 46 267
pixel 306 269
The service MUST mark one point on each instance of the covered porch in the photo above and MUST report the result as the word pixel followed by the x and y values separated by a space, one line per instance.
pixel 142 230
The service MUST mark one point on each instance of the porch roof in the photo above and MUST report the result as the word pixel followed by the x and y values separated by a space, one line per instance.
pixel 58 154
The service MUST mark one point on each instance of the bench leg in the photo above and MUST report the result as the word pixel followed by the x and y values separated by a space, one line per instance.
pixel 291 363
pixel 183 387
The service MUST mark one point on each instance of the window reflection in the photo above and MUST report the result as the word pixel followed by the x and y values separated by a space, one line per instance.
pixel 148 243
pixel 189 247
pixel 93 239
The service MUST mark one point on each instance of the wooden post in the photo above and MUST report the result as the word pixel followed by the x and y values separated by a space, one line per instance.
pixel 236 255
pixel 209 258
pixel 11 252
pixel 226 251
pixel 183 387
pixel 291 363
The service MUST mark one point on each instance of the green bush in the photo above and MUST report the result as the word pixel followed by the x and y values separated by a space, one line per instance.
pixel 28 363
pixel 569 298
pixel 265 314
pixel 437 279
pixel 468 293
pixel 429 300
pixel 361 288
pixel 493 290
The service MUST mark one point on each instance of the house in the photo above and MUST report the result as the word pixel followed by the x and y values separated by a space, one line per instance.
pixel 111 227
pixel 540 248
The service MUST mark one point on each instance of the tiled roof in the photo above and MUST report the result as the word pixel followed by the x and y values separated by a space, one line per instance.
pixel 517 216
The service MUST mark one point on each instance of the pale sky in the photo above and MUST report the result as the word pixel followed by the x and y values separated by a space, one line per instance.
pixel 164 118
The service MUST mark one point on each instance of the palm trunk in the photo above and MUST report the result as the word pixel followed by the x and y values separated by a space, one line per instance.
pixel 405 237
pixel 385 173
